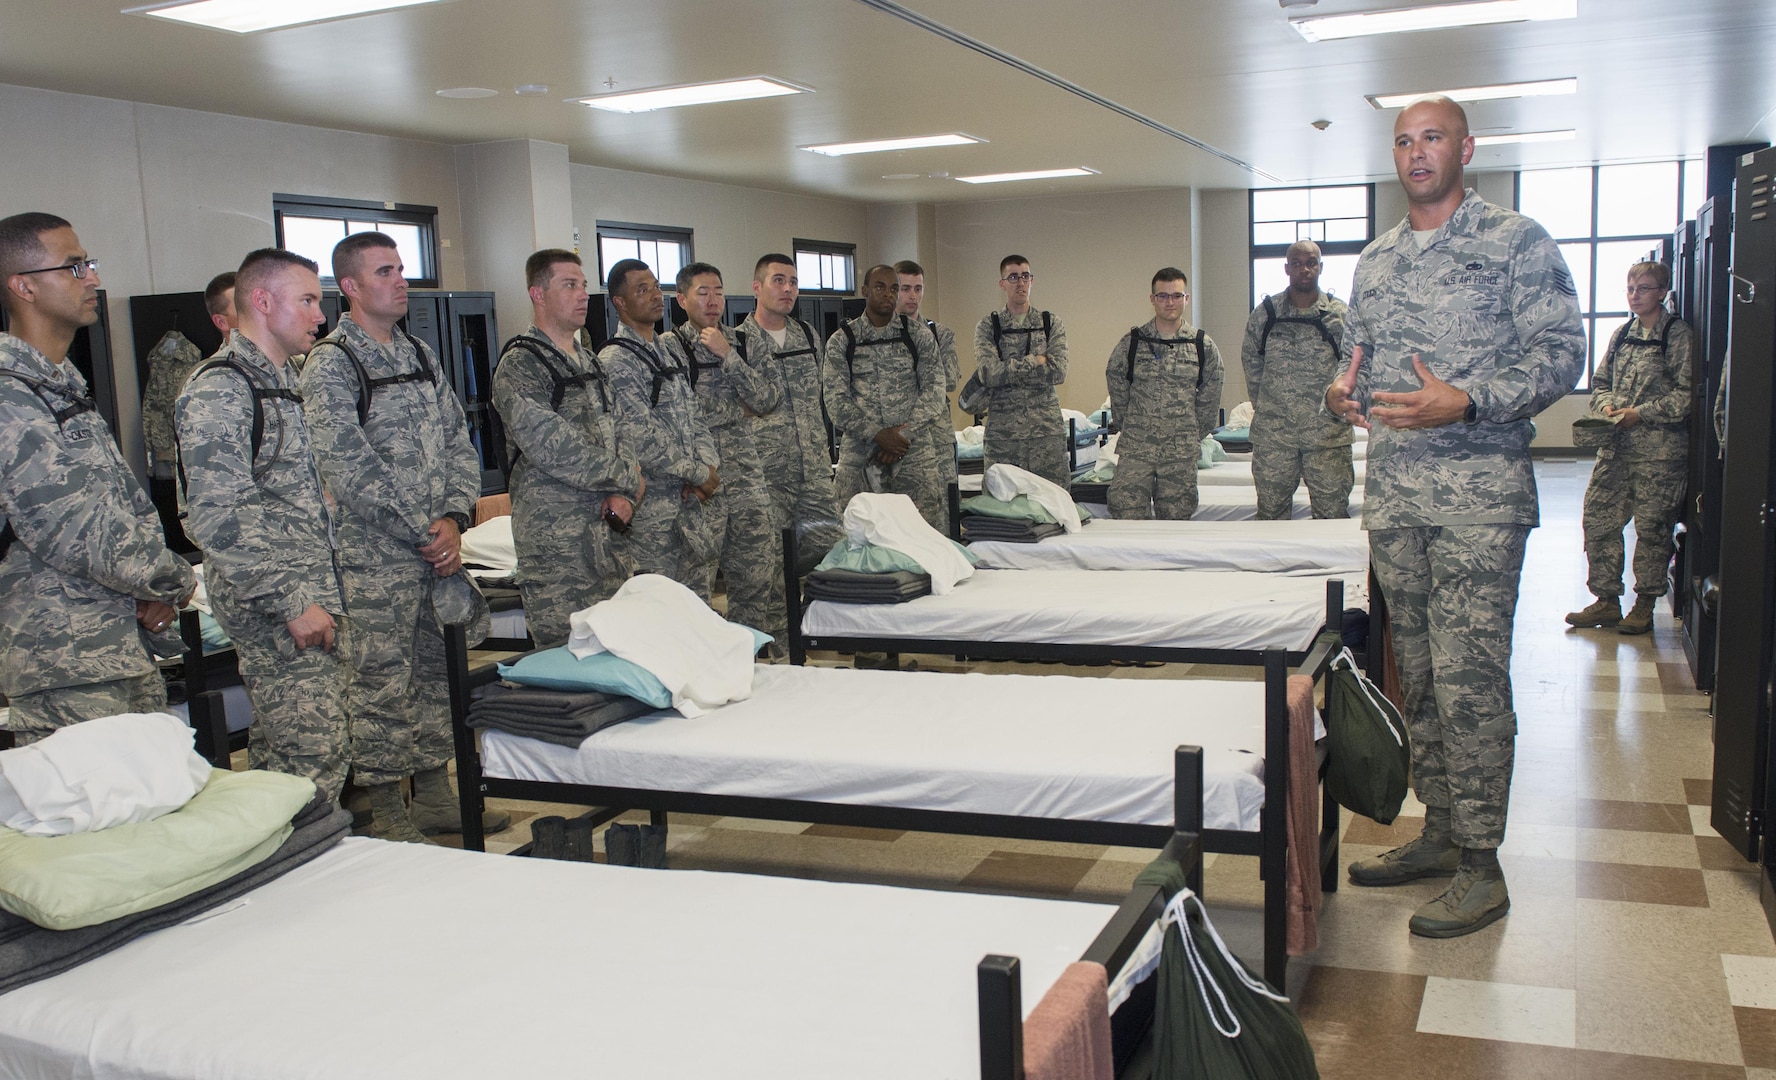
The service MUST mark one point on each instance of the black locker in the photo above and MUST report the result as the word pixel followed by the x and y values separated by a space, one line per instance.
pixel 462 330
pixel 1742 747
pixel 602 321
pixel 1704 303
pixel 90 352
pixel 738 308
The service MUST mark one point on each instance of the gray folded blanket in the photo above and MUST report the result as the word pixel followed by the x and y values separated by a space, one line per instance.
pixel 856 587
pixel 28 952
pixel 1007 530
pixel 556 716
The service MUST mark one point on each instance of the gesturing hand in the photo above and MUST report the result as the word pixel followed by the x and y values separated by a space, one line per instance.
pixel 1341 396
pixel 1434 404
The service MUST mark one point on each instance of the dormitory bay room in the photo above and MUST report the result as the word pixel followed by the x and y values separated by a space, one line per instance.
pixel 849 538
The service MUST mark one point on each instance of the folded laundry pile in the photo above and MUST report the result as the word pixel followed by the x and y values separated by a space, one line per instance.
pixel 1019 507
pixel 889 555
pixel 214 637
pixel 557 716
pixel 1007 530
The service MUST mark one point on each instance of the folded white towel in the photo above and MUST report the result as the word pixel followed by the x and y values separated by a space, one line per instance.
pixel 892 521
pixel 1240 416
pixel 90 776
pixel 658 624
pixel 200 596
pixel 490 544
pixel 971 436
pixel 1007 482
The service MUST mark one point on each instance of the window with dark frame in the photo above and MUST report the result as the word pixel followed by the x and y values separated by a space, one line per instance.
pixel 311 226
pixel 1606 218
pixel 824 266
pixel 664 248
pixel 1340 219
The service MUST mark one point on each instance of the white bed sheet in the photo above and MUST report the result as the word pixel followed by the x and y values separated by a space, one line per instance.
pixel 1198 609
pixel 1233 473
pixel 1055 747
pixel 590 970
pixel 1284 547
pixel 1241 504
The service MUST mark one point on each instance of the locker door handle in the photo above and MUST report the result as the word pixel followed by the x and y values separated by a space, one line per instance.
pixel 1750 296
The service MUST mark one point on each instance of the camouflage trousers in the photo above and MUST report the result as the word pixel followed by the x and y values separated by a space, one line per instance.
pixel 1451 595
pixel 804 500
pixel 1651 494
pixel 915 475
pixel 298 698
pixel 557 574
pixel 751 559
pixel 1278 470
pixel 1148 488
pixel 37 716
pixel 674 538
pixel 1044 455
pixel 943 448
pixel 395 689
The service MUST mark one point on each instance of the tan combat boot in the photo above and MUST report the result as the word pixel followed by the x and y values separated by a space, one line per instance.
pixel 388 815
pixel 1639 620
pixel 1476 898
pixel 1605 611
pixel 435 808
pixel 1431 854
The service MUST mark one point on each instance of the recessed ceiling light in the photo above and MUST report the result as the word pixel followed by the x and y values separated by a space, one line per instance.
pixel 465 92
pixel 1546 87
pixel 671 97
pixel 915 142
pixel 902 176
pixel 1039 174
pixel 1525 137
pixel 251 16
pixel 1436 17
pixel 530 89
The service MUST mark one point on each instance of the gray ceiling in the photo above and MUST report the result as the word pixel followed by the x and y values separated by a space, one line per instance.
pixel 1656 80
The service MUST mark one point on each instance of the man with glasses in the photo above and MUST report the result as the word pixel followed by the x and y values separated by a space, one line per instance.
pixel 1644 385
pixel 658 420
pixel 572 484
pixel 1020 357
pixel 1463 324
pixel 89 593
pixel 733 390
pixel 943 437
pixel 792 438
pixel 1165 392
pixel 1290 354
pixel 884 380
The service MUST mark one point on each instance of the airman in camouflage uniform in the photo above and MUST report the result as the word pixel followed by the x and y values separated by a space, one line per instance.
pixel 792 438
pixel 1468 325
pixel 1021 356
pixel 88 589
pixel 883 380
pixel 404 479
pixel 170 363
pixel 1165 392
pixel 569 477
pixel 659 420
pixel 943 433
pixel 255 507
pixel 1645 379
pixel 1290 353
pixel 732 391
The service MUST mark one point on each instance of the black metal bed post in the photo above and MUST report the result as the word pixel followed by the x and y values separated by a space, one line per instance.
pixel 1187 804
pixel 209 720
pixel 1316 667
pixel 1273 860
pixel 468 755
pixel 792 597
pixel 1335 606
pixel 1072 445
pixel 955 494
pixel 999 985
pixel 1374 663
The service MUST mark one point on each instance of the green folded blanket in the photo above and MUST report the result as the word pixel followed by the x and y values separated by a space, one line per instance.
pixel 67 882
pixel 870 559
pixel 1021 508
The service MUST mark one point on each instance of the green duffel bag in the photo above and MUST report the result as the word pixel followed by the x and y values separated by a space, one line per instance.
pixel 1368 757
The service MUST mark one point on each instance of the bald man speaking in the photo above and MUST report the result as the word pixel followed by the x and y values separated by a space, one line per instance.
pixel 1463 325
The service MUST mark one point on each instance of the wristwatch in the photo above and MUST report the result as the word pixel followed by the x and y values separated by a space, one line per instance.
pixel 1471 415
pixel 462 520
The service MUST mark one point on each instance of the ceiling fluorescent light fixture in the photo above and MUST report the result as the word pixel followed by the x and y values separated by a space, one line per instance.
pixel 671 97
pixel 252 16
pixel 1434 17
pixel 1544 88
pixel 1039 174
pixel 876 146
pixel 1525 137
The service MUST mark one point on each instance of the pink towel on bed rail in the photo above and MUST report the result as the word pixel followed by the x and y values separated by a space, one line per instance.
pixel 1304 820
pixel 1067 1035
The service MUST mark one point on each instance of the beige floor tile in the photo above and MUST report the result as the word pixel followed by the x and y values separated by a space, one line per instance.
pixel 1751 980
pixel 1498 1010
pixel 1637 848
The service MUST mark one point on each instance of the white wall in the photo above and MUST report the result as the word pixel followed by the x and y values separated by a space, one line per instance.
pixel 166 199
pixel 1093 257
pixel 731 226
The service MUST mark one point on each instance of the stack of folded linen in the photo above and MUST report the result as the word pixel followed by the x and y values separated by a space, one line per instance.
pixel 889 555
pixel 1019 507
pixel 115 827
pixel 558 716
pixel 490 555
pixel 214 637
pixel 971 449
